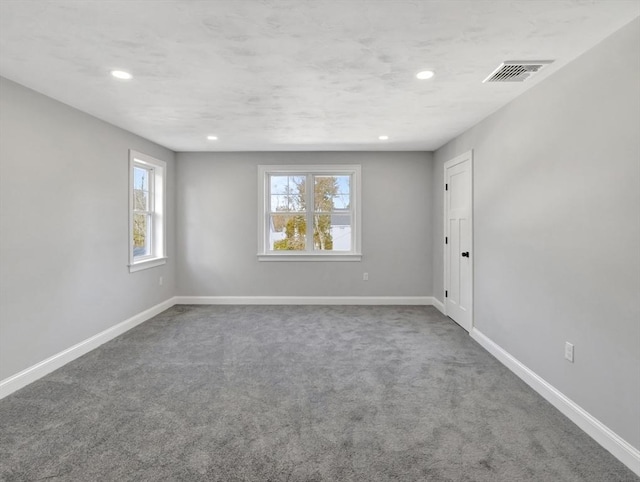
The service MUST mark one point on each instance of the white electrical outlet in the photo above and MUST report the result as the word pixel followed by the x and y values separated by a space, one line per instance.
pixel 365 276
pixel 160 280
pixel 568 351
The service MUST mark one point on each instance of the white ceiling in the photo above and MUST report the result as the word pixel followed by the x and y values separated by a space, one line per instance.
pixel 292 74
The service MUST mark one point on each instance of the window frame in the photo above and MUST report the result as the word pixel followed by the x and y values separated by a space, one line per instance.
pixel 156 227
pixel 264 213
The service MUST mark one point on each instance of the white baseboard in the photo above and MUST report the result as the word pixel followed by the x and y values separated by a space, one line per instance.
pixel 304 300
pixel 33 373
pixel 620 448
pixel 439 305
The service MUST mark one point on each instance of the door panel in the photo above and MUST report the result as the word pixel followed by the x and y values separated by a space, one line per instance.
pixel 464 267
pixel 458 187
pixel 454 262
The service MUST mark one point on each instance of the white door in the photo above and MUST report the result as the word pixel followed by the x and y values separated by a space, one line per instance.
pixel 458 248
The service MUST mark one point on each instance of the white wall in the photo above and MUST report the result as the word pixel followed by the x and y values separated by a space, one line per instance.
pixel 557 229
pixel 218 222
pixel 64 223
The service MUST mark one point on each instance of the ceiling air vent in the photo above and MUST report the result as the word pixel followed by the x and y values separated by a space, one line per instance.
pixel 516 70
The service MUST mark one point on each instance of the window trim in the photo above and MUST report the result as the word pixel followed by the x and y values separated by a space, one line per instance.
pixel 157 206
pixel 264 171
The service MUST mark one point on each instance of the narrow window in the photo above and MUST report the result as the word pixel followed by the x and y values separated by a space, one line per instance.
pixel 142 211
pixel 146 211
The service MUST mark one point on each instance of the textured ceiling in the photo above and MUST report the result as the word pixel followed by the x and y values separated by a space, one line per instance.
pixel 292 74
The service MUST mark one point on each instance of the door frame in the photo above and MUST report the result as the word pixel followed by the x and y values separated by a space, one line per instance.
pixel 445 247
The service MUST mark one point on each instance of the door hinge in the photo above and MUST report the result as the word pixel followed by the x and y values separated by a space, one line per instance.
pixel 446 187
pixel 446 294
pixel 446 240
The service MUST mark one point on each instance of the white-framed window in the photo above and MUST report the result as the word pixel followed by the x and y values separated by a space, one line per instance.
pixel 309 213
pixel 147 208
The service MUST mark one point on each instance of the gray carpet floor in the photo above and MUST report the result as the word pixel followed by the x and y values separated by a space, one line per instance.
pixel 292 393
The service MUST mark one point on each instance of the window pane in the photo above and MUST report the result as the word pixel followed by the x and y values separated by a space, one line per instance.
pixel 342 199
pixel 332 232
pixel 141 178
pixel 140 200
pixel 287 233
pixel 325 188
pixel 287 193
pixel 141 238
pixel 279 184
pixel 331 193
pixel 279 202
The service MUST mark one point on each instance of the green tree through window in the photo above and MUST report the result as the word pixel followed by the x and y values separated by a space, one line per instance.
pixel 312 212
pixel 142 211
pixel 294 227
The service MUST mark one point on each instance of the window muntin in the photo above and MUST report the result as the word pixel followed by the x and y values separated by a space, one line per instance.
pixel 146 211
pixel 309 211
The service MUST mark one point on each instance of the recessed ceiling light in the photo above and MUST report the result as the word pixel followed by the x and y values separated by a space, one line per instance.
pixel 425 74
pixel 383 138
pixel 212 138
pixel 121 74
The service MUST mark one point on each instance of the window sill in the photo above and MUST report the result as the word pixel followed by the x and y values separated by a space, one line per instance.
pixel 309 257
pixel 146 264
